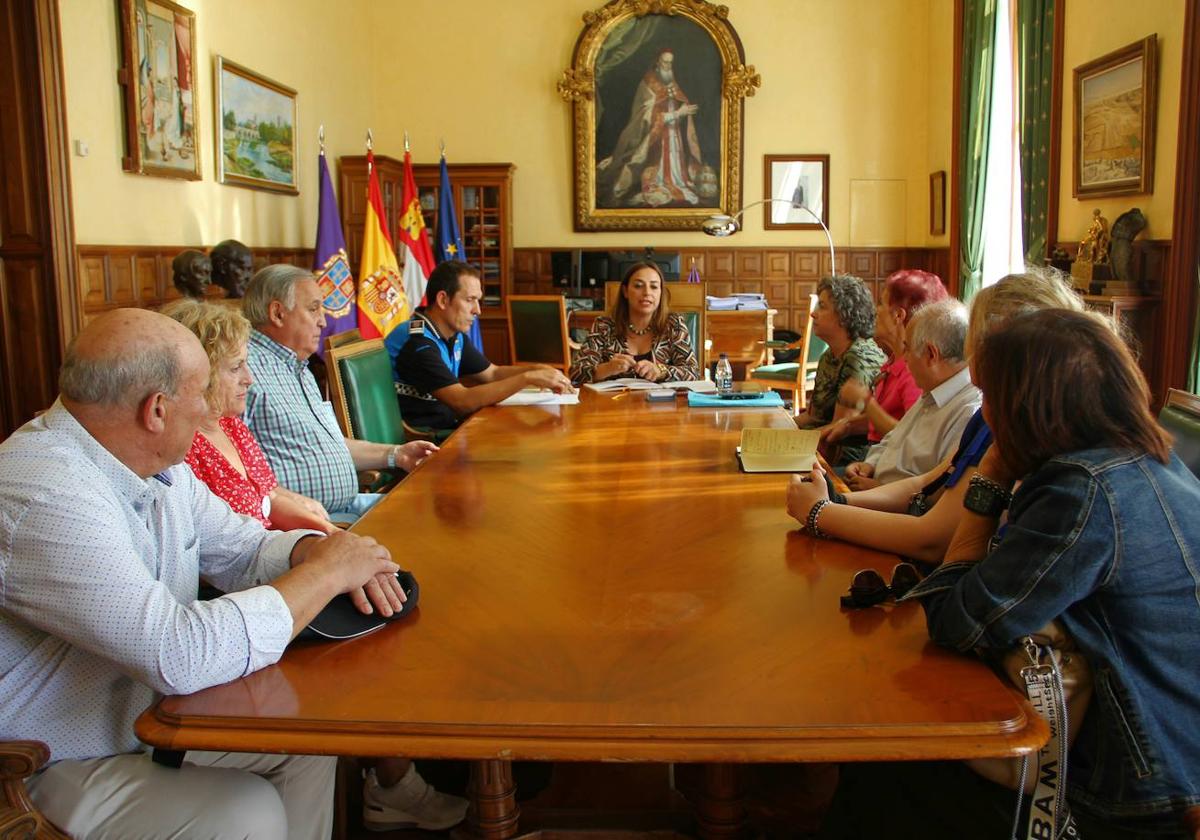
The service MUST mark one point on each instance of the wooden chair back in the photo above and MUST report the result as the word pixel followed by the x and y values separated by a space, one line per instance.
pixel 537 331
pixel 19 817
pixel 362 392
pixel 1180 416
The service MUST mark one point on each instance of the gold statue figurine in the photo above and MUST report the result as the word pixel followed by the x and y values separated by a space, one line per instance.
pixel 1094 247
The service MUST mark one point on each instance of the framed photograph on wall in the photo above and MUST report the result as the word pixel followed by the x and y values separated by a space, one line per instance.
pixel 803 182
pixel 1115 109
pixel 256 130
pixel 158 83
pixel 937 203
pixel 657 99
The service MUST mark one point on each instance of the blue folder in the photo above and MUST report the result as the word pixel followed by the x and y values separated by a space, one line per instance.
pixel 767 399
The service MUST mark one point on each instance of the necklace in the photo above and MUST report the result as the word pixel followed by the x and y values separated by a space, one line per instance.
pixel 636 331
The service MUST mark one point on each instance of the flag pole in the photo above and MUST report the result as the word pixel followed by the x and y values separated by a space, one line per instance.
pixel 370 146
pixel 321 137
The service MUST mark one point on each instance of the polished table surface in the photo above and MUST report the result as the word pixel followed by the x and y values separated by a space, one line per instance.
pixel 601 582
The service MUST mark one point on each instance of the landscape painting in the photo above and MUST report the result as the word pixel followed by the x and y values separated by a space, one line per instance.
pixel 256 129
pixel 1114 131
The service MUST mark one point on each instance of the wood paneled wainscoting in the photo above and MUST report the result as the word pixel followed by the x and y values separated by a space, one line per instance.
pixel 787 276
pixel 115 276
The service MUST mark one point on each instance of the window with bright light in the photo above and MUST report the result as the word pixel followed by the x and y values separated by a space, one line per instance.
pixel 1003 242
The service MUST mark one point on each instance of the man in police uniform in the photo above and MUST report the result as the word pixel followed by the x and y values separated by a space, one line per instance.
pixel 441 377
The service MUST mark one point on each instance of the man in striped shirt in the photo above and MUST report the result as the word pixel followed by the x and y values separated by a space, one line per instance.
pixel 285 410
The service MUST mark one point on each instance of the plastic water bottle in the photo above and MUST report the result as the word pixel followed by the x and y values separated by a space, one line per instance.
pixel 724 375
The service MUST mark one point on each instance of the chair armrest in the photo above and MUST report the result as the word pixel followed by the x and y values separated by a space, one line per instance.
pixel 781 345
pixel 18 816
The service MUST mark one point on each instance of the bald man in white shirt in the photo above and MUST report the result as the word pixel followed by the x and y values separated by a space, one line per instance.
pixel 103 538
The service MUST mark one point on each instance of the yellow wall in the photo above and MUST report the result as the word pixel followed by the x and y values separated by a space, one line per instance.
pixel 847 79
pixel 868 83
pixel 277 38
pixel 1094 29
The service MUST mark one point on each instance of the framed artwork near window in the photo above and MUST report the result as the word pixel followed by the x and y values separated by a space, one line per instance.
pixel 657 92
pixel 937 203
pixel 256 130
pixel 1116 105
pixel 158 84
pixel 801 181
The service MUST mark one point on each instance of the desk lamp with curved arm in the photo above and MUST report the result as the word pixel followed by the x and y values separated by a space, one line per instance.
pixel 722 225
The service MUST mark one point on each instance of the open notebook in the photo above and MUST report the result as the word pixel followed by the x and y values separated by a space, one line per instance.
pixel 778 450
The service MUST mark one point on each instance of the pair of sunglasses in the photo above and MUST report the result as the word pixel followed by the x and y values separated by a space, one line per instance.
pixel 869 588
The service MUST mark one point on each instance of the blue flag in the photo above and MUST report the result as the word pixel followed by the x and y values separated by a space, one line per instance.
pixel 330 264
pixel 449 242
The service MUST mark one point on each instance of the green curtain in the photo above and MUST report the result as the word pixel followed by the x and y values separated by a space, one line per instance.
pixel 975 105
pixel 1035 51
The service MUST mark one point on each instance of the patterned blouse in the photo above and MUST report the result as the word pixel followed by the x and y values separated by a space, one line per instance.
pixel 862 361
pixel 673 350
pixel 246 495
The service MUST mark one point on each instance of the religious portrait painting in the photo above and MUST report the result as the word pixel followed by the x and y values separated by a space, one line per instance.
pixel 158 48
pixel 658 90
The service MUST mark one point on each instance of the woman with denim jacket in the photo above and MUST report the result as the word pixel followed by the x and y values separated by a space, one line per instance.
pixel 1102 534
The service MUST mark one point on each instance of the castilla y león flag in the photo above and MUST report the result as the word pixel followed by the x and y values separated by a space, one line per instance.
pixel 414 239
pixel 382 303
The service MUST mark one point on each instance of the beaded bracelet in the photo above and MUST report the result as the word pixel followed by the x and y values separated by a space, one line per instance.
pixel 814 514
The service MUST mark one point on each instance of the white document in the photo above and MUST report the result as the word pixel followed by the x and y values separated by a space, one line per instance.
pixel 540 396
pixel 779 450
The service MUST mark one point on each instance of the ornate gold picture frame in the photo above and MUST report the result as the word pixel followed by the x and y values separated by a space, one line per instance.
pixel 658 89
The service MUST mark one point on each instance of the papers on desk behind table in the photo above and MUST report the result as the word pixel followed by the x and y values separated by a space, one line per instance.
pixel 742 300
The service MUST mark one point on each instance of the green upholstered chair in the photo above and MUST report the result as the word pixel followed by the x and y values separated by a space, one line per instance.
pixel 364 396
pixel 796 377
pixel 1180 416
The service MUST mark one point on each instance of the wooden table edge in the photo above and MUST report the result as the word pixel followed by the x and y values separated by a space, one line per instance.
pixel 916 742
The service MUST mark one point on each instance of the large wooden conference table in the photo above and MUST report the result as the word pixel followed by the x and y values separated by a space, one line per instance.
pixel 600 582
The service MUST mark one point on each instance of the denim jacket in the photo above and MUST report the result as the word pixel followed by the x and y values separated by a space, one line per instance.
pixel 1107 541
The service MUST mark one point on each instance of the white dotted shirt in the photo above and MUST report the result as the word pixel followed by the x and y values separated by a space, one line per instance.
pixel 99 571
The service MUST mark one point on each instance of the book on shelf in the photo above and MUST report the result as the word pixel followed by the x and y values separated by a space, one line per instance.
pixel 778 450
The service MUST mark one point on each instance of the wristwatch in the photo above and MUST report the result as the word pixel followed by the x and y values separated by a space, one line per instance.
pixel 986 497
pixel 391 458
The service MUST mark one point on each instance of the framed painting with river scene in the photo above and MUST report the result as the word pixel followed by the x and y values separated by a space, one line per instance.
pixel 256 130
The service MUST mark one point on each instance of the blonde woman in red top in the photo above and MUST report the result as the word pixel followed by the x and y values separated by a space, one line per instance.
pixel 224 454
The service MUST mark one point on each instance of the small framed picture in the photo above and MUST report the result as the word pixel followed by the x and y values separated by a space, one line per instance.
pixel 1115 106
pixel 256 130
pixel 800 186
pixel 937 203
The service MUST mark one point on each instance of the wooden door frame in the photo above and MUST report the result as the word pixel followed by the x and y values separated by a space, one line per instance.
pixel 1179 294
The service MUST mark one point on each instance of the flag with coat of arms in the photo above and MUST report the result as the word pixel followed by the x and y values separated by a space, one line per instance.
pixel 449 241
pixel 414 238
pixel 330 263
pixel 382 304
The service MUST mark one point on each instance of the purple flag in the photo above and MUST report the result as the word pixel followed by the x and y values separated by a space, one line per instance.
pixel 330 264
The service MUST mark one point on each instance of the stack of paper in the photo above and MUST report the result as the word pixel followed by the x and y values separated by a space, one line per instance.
pixel 742 300
pixel 778 450
pixel 631 383
pixel 540 396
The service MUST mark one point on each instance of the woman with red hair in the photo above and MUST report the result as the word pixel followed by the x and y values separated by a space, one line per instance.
pixel 877 413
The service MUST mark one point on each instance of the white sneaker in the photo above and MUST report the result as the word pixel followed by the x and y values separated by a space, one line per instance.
pixel 410 803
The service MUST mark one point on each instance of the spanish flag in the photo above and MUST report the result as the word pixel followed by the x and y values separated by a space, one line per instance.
pixel 382 304
pixel 414 239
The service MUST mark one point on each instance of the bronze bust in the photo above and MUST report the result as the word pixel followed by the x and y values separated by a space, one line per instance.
pixel 232 266
pixel 193 271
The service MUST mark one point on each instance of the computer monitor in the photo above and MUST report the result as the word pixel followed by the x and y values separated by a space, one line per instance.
pixel 667 262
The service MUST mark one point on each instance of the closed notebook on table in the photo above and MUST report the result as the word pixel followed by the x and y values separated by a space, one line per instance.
pixel 778 450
